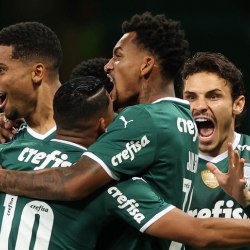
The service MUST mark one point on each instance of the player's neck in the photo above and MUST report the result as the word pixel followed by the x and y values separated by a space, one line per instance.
pixel 41 125
pixel 41 116
pixel 83 138
pixel 154 91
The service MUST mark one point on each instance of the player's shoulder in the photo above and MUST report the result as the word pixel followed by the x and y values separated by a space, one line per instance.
pixel 22 142
pixel 245 138
pixel 130 118
pixel 58 143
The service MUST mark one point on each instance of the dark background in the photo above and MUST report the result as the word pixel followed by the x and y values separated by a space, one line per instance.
pixel 90 29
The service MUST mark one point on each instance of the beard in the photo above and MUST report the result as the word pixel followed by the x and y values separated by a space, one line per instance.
pixel 116 105
pixel 13 115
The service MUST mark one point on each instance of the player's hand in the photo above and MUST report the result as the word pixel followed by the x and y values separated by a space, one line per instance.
pixel 8 128
pixel 233 182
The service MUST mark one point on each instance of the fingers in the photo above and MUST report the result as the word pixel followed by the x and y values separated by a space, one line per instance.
pixel 213 169
pixel 230 156
pixel 5 135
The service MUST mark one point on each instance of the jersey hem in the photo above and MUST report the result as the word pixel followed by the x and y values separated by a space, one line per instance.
pixel 103 165
pixel 156 217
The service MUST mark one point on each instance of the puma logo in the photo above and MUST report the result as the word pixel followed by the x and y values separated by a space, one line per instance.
pixel 125 122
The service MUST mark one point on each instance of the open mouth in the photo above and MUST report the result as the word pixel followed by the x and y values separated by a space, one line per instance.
pixel 3 99
pixel 110 77
pixel 205 127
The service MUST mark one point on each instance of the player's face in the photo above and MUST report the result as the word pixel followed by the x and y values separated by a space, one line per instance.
pixel 16 87
pixel 213 110
pixel 124 71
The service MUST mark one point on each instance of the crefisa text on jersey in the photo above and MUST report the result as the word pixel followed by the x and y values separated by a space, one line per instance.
pixel 131 149
pixel 130 205
pixel 187 126
pixel 42 159
pixel 221 208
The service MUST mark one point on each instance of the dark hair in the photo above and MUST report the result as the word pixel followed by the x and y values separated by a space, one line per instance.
pixel 218 64
pixel 79 99
pixel 163 37
pixel 93 67
pixel 32 40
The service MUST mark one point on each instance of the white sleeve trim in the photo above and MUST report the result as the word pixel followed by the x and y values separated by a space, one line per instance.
pixel 103 165
pixel 156 217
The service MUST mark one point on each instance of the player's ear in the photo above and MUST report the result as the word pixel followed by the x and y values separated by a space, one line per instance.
pixel 147 65
pixel 102 126
pixel 38 73
pixel 238 105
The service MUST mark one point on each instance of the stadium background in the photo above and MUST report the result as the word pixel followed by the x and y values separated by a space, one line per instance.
pixel 90 28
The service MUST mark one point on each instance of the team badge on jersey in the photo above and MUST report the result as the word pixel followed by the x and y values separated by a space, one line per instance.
pixel 209 179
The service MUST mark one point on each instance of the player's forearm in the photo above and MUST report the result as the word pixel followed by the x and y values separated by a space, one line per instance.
pixel 220 232
pixel 46 184
pixel 71 183
pixel 201 233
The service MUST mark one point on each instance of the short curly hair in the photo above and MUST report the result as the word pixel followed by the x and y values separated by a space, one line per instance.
pixel 79 99
pixel 32 40
pixel 93 67
pixel 163 37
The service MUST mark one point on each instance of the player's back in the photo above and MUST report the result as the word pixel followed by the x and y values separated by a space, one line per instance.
pixel 158 141
pixel 176 158
pixel 34 224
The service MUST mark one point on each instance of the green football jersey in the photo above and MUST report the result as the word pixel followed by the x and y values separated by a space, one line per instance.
pixel 157 141
pixel 26 132
pixel 209 200
pixel 34 224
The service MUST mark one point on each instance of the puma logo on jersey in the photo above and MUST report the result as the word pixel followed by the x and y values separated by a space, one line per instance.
pixel 221 208
pixel 130 205
pixel 132 148
pixel 125 122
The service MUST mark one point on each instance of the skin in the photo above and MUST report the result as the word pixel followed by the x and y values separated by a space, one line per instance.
pixel 143 84
pixel 135 87
pixel 29 87
pixel 212 232
pixel 233 182
pixel 87 175
pixel 212 100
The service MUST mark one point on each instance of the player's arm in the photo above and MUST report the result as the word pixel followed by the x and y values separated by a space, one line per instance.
pixel 73 183
pixel 201 233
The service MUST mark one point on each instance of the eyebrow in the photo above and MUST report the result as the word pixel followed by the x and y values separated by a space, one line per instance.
pixel 117 49
pixel 210 91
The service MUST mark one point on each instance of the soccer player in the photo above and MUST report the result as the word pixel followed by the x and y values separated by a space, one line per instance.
pixel 214 87
pixel 156 138
pixel 30 57
pixel 82 110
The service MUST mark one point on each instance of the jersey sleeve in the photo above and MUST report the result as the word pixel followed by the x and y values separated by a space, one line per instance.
pixel 129 145
pixel 136 203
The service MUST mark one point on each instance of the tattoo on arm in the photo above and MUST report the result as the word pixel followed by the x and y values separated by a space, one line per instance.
pixel 71 183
